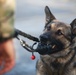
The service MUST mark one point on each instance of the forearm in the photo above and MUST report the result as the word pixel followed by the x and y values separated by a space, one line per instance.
pixel 8 56
pixel 7 67
pixel 0 62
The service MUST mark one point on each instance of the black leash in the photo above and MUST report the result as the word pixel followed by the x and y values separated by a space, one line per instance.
pixel 19 32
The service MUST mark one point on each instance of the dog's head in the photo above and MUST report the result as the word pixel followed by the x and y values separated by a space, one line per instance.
pixel 56 33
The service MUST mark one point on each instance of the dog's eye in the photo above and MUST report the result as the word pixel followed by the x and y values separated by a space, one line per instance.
pixel 59 32
pixel 48 28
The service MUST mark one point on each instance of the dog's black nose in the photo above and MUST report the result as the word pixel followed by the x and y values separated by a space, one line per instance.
pixel 43 38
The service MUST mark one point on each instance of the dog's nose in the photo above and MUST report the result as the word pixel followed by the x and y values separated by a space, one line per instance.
pixel 43 38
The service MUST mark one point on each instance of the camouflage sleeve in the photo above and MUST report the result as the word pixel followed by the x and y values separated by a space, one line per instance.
pixel 7 21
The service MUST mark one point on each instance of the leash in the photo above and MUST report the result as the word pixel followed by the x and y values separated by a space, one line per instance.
pixel 41 49
pixel 27 47
pixel 24 44
pixel 19 32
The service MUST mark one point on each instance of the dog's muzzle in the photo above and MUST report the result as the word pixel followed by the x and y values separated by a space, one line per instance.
pixel 47 46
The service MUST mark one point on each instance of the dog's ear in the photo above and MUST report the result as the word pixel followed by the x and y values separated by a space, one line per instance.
pixel 73 26
pixel 49 15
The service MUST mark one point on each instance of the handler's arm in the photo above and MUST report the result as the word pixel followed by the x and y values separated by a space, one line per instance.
pixel 9 60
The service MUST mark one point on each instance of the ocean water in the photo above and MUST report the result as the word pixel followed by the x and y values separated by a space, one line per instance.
pixel 30 18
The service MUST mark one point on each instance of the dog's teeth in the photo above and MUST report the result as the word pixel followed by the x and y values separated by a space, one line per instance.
pixel 54 46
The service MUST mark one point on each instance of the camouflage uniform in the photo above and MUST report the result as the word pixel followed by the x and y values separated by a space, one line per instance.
pixel 7 10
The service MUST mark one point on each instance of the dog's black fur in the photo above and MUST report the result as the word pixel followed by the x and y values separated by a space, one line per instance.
pixel 61 36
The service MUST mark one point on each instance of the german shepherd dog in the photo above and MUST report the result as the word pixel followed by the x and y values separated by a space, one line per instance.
pixel 62 37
